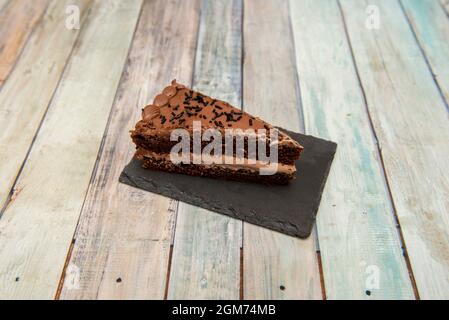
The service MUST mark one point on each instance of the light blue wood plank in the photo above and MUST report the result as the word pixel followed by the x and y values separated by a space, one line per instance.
pixel 206 252
pixel 276 266
pixel 431 26
pixel 445 5
pixel 410 120
pixel 360 246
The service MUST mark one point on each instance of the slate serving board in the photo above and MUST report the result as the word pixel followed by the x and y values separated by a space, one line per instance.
pixel 289 209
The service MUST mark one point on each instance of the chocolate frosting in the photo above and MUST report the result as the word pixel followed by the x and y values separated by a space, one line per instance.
pixel 178 106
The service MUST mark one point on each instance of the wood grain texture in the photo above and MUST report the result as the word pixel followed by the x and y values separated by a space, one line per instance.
pixel 275 266
pixel 3 4
pixel 206 252
pixel 410 120
pixel 125 233
pixel 445 5
pixel 26 95
pixel 37 228
pixel 356 226
pixel 431 26
pixel 18 18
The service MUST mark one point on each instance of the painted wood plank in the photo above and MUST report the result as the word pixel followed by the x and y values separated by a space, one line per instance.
pixel 3 4
pixel 275 266
pixel 445 4
pixel 410 120
pixel 37 228
pixel 431 26
pixel 206 252
pixel 125 233
pixel 356 225
pixel 18 18
pixel 26 95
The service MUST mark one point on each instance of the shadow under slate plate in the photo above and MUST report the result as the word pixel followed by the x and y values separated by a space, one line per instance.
pixel 290 209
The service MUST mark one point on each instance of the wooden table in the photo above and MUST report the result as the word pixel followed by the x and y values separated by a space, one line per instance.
pixel 370 75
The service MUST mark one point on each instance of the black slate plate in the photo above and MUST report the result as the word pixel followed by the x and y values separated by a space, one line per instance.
pixel 288 209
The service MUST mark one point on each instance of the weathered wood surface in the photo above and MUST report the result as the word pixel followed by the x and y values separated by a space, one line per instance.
pixel 125 233
pixel 445 5
pixel 431 26
pixel 410 120
pixel 388 85
pixel 3 4
pixel 18 19
pixel 37 228
pixel 356 226
pixel 206 252
pixel 26 95
pixel 275 266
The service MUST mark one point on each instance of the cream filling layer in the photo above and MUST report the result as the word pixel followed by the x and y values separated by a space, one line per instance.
pixel 229 162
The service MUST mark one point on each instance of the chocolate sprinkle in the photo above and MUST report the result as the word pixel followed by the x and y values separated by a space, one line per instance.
pixel 199 98
pixel 176 116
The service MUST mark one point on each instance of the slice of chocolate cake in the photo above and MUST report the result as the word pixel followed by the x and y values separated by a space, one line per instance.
pixel 184 131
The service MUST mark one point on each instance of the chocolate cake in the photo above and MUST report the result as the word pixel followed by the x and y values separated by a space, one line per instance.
pixel 243 147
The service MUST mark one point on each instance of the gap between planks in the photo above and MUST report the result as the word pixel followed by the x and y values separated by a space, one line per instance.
pixel 95 169
pixel 403 244
pixel 431 47
pixel 206 245
pixel 379 152
pixel 36 282
pixel 29 22
pixel 13 193
pixel 422 220
pixel 141 83
pixel 355 222
pixel 271 259
pixel 445 6
pixel 314 233
pixel 401 236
